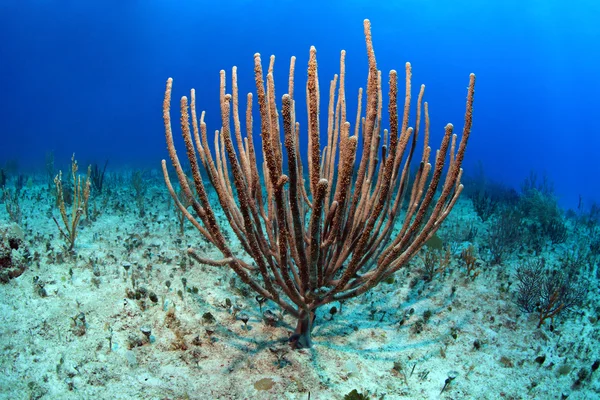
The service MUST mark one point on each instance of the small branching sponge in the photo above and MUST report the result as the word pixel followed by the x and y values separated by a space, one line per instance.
pixel 547 291
pixel 81 194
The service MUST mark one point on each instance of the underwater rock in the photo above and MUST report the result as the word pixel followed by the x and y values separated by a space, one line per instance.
pixel 13 252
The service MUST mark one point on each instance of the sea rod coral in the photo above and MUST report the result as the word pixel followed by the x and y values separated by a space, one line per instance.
pixel 356 221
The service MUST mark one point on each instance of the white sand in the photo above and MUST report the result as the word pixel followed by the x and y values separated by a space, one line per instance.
pixel 42 357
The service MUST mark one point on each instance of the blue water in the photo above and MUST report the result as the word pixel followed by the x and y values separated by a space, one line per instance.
pixel 88 76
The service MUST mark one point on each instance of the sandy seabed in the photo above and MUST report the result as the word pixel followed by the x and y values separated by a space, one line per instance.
pixel 129 316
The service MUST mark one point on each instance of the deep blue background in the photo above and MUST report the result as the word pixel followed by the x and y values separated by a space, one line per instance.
pixel 88 76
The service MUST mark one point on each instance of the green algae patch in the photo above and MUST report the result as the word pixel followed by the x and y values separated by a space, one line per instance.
pixel 264 384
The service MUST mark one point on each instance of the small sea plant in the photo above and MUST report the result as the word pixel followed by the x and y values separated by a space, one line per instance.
pixel 81 194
